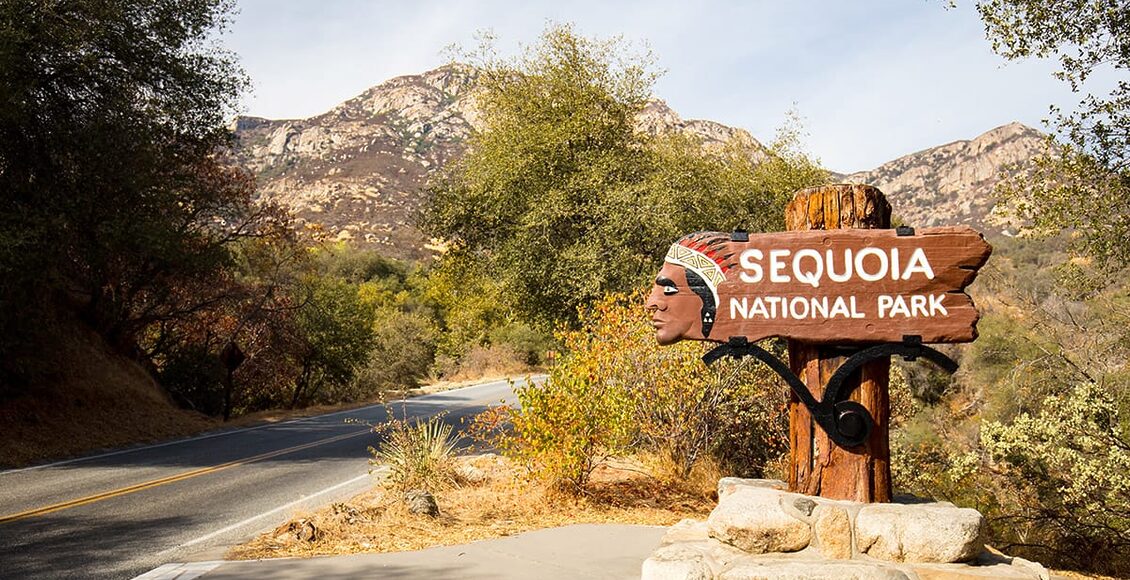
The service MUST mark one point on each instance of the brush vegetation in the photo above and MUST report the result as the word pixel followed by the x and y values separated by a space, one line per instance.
pixel 132 253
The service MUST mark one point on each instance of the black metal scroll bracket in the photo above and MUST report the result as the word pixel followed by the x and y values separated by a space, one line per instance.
pixel 846 422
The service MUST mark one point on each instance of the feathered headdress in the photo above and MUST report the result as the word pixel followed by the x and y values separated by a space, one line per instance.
pixel 705 254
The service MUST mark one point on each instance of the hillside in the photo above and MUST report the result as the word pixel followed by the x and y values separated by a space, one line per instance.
pixel 953 183
pixel 76 395
pixel 358 171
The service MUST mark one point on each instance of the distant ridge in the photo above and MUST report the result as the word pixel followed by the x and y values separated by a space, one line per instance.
pixel 357 172
pixel 953 183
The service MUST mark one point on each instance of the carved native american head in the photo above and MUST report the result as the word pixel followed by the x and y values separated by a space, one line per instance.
pixel 684 301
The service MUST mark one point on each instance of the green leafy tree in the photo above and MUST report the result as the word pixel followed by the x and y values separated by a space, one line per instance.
pixel 112 115
pixel 1083 182
pixel 561 198
pixel 467 300
pixel 336 327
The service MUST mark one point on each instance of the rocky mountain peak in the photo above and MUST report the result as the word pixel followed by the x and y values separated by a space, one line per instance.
pixel 658 118
pixel 358 171
pixel 953 183
pixel 423 101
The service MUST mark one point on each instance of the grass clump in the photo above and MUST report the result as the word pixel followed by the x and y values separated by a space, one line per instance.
pixel 419 454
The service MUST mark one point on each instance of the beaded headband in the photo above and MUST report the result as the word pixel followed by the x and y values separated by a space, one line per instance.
pixel 702 254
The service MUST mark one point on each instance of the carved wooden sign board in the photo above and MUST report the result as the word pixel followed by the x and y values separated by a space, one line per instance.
pixel 820 286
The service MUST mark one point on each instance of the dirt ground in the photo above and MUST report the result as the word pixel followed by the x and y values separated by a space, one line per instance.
pixel 491 500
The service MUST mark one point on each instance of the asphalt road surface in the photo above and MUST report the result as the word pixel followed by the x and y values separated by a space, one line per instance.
pixel 120 514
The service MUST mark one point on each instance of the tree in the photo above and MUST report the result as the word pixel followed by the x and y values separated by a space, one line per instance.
pixel 337 330
pixel 1070 464
pixel 1083 182
pixel 116 199
pixel 561 198
pixel 1058 460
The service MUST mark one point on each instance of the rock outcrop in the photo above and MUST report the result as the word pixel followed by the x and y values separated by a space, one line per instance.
pixel 357 173
pixel 760 530
pixel 753 520
pixel 953 184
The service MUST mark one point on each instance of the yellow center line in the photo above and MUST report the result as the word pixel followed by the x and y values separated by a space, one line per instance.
pixel 170 479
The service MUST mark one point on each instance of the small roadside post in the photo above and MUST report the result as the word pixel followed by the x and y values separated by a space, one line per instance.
pixel 231 356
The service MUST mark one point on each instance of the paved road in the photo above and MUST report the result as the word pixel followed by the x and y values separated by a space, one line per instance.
pixel 120 514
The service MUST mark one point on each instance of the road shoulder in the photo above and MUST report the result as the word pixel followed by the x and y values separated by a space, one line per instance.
pixel 576 551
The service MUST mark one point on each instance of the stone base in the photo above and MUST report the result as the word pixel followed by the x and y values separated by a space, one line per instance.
pixel 761 531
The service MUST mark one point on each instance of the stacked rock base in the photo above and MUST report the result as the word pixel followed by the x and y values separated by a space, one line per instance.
pixel 761 531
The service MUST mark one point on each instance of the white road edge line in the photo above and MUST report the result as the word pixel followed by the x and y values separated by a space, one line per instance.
pixel 246 429
pixel 174 569
pixel 179 571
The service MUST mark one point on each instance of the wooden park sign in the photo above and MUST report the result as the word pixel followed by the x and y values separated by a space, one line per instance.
pixel 823 287
pixel 828 287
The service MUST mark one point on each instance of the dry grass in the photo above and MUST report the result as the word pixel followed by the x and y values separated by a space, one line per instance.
pixel 494 501
pixel 517 374
pixel 481 362
pixel 84 397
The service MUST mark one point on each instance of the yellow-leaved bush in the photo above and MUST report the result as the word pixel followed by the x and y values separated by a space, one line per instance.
pixel 615 391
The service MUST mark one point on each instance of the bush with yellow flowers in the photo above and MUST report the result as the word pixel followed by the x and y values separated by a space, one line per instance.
pixel 615 392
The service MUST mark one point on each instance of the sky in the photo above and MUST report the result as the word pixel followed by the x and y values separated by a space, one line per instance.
pixel 872 80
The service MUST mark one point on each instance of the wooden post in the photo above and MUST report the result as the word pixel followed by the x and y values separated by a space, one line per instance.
pixel 817 466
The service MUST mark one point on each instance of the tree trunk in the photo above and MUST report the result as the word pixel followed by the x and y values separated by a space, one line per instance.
pixel 817 466
pixel 300 384
pixel 227 394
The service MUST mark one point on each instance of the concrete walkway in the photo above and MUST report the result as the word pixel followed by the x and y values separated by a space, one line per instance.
pixel 579 551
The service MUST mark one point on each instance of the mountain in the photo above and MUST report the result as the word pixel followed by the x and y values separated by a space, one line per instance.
pixel 358 172
pixel 953 183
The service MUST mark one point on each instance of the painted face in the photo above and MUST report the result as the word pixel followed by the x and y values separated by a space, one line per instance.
pixel 676 311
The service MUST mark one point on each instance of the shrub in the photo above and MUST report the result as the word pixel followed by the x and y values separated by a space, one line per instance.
pixel 750 435
pixel 402 354
pixel 569 426
pixel 616 391
pixel 528 344
pixel 681 407
pixel 1069 467
pixel 420 454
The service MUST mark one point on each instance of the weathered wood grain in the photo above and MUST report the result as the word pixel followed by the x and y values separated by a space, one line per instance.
pixel 817 466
